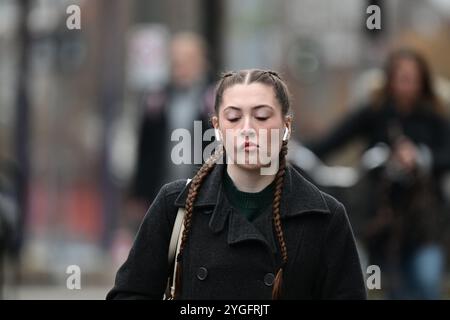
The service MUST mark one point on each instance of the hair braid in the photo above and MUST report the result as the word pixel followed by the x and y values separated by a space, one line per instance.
pixel 277 286
pixel 189 207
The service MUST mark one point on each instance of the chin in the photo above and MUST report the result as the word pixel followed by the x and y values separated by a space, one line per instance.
pixel 250 167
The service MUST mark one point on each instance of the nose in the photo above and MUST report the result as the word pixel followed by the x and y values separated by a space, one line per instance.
pixel 248 130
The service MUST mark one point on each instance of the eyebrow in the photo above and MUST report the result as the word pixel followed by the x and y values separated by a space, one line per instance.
pixel 253 108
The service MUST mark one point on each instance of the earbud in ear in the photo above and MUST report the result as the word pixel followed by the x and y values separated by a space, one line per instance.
pixel 217 134
pixel 286 134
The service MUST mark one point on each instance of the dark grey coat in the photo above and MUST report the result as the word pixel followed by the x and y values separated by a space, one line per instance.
pixel 228 257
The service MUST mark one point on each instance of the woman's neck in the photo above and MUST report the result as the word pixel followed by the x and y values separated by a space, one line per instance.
pixel 248 180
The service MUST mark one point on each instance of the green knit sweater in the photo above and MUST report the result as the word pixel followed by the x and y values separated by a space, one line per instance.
pixel 250 204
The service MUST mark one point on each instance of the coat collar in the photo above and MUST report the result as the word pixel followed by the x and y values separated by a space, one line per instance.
pixel 299 195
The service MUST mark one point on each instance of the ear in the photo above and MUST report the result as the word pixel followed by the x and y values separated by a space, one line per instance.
pixel 288 125
pixel 215 122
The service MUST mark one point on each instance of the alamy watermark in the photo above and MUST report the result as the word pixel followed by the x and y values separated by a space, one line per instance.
pixel 73 21
pixel 244 147
pixel 374 277
pixel 73 281
pixel 374 20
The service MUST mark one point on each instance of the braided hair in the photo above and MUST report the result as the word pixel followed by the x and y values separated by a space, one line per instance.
pixel 227 80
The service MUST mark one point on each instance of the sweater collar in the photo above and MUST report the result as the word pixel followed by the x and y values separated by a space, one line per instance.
pixel 247 200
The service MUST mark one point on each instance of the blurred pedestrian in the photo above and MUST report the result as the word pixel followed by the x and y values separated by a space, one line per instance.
pixel 405 115
pixel 187 98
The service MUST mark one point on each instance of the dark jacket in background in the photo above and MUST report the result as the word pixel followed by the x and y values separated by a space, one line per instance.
pixel 381 124
pixel 228 257
pixel 417 203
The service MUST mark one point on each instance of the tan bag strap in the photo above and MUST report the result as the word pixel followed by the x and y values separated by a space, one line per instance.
pixel 175 242
pixel 176 232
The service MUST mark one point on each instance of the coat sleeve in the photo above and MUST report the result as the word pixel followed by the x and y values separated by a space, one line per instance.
pixel 340 269
pixel 144 273
pixel 440 149
pixel 354 125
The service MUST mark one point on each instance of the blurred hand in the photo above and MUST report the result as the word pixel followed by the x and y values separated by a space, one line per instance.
pixel 405 153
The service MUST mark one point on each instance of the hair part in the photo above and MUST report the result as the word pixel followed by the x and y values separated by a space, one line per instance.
pixel 267 77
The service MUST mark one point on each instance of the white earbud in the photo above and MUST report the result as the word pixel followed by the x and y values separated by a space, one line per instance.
pixel 217 134
pixel 286 134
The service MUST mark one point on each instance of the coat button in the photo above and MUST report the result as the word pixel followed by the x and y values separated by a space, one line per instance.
pixel 202 273
pixel 269 279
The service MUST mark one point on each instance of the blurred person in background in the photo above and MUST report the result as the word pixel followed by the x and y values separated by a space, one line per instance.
pixel 403 233
pixel 187 98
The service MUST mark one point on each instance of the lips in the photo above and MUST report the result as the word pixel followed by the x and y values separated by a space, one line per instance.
pixel 248 145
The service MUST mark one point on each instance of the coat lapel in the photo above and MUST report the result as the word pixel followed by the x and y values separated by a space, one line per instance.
pixel 240 229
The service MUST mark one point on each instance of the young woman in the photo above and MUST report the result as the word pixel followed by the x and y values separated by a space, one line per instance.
pixel 249 233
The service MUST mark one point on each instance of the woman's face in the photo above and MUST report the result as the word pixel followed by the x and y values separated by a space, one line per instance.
pixel 251 124
pixel 406 82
